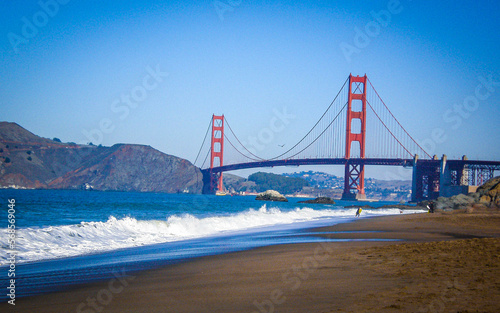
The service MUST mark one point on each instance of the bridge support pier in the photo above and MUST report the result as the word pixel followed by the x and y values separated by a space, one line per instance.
pixel 425 185
pixel 210 181
pixel 445 178
pixel 354 179
pixel 454 178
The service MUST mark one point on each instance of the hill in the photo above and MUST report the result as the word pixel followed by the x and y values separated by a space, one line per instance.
pixel 282 184
pixel 332 186
pixel 320 184
pixel 30 161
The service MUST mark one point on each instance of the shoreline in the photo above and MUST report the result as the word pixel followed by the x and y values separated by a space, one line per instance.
pixel 357 273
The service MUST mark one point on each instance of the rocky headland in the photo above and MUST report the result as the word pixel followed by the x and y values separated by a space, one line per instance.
pixel 29 161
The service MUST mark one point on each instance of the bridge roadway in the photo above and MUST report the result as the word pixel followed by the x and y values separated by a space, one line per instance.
pixel 343 161
pixel 316 161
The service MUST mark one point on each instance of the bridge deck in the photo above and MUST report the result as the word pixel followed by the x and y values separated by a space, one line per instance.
pixel 342 161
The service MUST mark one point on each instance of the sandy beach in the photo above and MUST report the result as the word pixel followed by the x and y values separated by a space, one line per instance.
pixel 443 262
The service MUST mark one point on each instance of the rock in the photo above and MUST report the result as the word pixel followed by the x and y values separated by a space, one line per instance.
pixel 462 200
pixel 487 195
pixel 485 199
pixel 457 202
pixel 320 200
pixel 442 203
pixel 475 196
pixel 492 184
pixel 271 195
pixel 489 192
pixel 493 193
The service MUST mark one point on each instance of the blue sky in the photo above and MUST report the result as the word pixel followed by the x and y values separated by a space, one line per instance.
pixel 153 72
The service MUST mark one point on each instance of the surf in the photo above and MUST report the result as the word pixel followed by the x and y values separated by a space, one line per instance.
pixel 51 242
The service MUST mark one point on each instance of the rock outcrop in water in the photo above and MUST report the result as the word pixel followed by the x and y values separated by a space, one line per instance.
pixel 30 161
pixel 319 200
pixel 271 195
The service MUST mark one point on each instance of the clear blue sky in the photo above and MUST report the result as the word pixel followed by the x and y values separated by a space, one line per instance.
pixel 67 68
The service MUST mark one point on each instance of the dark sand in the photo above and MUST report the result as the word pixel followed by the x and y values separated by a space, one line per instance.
pixel 446 263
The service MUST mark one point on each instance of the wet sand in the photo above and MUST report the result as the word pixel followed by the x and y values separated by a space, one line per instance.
pixel 440 263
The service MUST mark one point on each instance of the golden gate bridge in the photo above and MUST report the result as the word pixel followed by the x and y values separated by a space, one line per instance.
pixel 357 121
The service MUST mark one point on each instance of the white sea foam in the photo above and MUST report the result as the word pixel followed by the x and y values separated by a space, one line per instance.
pixel 34 244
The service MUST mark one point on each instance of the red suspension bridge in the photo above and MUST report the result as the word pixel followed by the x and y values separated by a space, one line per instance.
pixel 356 121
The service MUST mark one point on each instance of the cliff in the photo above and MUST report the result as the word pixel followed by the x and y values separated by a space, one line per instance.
pixel 30 161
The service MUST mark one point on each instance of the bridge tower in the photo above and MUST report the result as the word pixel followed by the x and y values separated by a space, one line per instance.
pixel 217 151
pixel 354 179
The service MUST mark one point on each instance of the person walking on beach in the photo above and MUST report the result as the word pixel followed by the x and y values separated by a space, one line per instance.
pixel 358 212
pixel 431 207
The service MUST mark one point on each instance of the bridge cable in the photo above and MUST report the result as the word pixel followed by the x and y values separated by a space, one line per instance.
pixel 338 114
pixel 204 139
pixel 314 124
pixel 388 128
pixel 240 151
pixel 206 157
pixel 397 120
pixel 261 159
pixel 319 120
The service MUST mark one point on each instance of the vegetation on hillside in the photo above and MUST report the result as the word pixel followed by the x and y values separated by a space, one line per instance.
pixel 282 184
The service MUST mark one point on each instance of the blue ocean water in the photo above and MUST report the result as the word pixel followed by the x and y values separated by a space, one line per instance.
pixel 65 237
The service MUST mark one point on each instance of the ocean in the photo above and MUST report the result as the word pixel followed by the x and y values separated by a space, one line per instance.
pixel 67 237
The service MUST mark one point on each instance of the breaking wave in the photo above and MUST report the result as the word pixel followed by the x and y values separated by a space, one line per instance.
pixel 35 243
